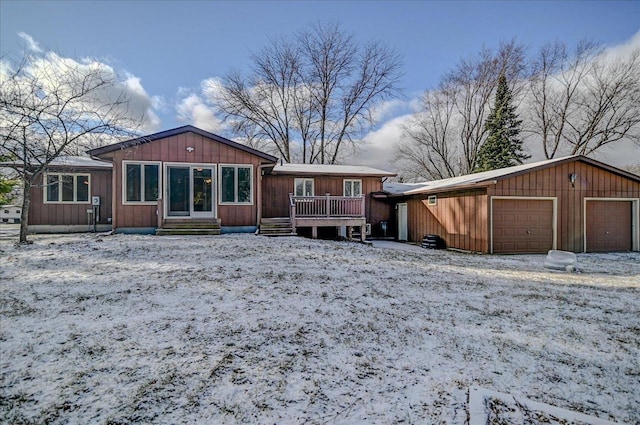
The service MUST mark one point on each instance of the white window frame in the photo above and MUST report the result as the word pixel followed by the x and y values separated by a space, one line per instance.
pixel 142 181
pixel 45 192
pixel 304 180
pixel 351 182
pixel 432 200
pixel 235 189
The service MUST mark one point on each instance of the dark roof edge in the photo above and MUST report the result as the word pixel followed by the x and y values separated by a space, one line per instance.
pixel 174 132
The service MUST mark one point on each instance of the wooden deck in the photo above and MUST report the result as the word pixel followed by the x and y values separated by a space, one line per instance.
pixel 328 211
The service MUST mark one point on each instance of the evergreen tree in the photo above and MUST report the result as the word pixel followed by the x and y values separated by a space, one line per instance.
pixel 503 147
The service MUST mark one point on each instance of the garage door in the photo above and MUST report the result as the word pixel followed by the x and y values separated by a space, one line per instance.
pixel 522 226
pixel 608 226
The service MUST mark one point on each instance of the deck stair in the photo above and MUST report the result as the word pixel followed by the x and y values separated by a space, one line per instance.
pixel 280 226
pixel 189 227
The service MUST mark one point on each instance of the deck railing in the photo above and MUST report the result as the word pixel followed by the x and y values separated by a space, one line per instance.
pixel 326 206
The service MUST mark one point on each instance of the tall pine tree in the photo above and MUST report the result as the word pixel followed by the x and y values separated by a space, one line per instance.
pixel 503 147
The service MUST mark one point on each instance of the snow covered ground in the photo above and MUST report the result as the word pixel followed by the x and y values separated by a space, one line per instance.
pixel 248 329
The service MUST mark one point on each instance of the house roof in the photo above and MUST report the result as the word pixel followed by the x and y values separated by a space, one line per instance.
pixel 68 161
pixel 488 177
pixel 79 161
pixel 174 132
pixel 329 169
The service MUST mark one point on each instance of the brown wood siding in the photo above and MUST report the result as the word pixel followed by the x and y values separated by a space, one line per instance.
pixel 461 219
pixel 65 214
pixel 591 182
pixel 276 190
pixel 174 149
pixel 608 226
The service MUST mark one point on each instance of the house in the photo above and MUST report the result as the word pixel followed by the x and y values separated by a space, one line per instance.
pixel 10 214
pixel 574 204
pixel 189 181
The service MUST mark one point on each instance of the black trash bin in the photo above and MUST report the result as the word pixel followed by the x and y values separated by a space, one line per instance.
pixel 433 242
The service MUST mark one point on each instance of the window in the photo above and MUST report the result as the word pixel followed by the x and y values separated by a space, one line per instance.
pixel 432 200
pixel 353 188
pixel 303 187
pixel 72 188
pixel 141 182
pixel 236 184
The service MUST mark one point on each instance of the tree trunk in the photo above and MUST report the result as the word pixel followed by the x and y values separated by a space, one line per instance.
pixel 24 214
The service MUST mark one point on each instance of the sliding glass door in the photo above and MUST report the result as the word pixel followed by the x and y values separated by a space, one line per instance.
pixel 190 191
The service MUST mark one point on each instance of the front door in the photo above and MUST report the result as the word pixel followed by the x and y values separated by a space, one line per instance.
pixel 402 222
pixel 190 191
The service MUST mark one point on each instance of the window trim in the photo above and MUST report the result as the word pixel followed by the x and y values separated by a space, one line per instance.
pixel 304 179
pixel 142 179
pixel 351 182
pixel 432 200
pixel 235 188
pixel 45 186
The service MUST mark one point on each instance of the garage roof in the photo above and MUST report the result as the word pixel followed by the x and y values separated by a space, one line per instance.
pixel 488 177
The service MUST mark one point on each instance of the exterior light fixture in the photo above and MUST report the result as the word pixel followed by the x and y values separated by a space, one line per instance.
pixel 572 178
pixel 190 149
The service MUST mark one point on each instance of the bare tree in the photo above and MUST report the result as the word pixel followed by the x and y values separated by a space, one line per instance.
pixel 583 100
pixel 444 138
pixel 429 150
pixel 311 96
pixel 263 106
pixel 52 106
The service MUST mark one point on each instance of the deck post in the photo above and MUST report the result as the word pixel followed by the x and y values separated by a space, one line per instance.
pixel 362 208
pixel 328 205
pixel 314 232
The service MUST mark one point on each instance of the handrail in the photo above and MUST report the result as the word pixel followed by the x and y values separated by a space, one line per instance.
pixel 327 206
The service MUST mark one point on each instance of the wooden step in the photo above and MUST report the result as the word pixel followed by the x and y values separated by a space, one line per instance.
pixel 191 224
pixel 187 232
pixel 275 220
pixel 278 226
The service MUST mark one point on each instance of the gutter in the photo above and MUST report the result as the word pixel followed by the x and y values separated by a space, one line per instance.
pixel 444 189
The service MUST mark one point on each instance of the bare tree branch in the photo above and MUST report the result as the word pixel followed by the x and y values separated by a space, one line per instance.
pixel 51 106
pixel 311 96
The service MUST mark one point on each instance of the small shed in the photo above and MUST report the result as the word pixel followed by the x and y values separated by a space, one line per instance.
pixel 573 204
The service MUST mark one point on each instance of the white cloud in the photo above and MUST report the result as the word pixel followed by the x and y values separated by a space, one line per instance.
pixel 192 109
pixel 379 147
pixel 56 73
pixel 32 45
pixel 624 50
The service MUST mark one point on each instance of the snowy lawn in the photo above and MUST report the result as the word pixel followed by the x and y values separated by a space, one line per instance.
pixel 248 329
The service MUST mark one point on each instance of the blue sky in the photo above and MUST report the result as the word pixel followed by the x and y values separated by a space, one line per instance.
pixel 171 47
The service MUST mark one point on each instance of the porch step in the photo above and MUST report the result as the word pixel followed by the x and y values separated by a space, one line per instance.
pixel 185 232
pixel 280 226
pixel 189 227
